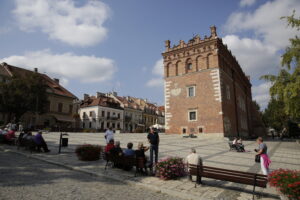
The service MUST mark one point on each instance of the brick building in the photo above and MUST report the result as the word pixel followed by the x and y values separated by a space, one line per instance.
pixel 61 105
pixel 206 90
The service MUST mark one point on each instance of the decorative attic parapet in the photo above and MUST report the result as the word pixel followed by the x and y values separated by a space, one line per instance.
pixel 194 41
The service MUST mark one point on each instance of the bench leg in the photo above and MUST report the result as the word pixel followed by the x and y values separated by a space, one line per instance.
pixel 253 192
pixel 106 165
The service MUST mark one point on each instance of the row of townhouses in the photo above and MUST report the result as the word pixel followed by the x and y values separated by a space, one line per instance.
pixel 128 114
pixel 66 112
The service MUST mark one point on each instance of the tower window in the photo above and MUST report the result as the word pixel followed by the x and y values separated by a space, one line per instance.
pixel 192 115
pixel 191 91
pixel 228 92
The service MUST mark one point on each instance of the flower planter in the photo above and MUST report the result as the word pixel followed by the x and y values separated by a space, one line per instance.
pixel 170 168
pixel 88 152
pixel 287 183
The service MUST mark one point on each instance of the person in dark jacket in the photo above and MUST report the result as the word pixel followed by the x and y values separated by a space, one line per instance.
pixel 40 142
pixel 153 139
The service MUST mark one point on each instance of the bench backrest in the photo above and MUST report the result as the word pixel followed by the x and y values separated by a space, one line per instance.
pixel 229 175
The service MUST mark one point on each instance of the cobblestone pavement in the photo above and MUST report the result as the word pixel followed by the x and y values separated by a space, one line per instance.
pixel 29 179
pixel 214 151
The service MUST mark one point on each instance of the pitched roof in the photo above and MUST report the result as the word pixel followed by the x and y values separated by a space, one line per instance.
pixel 56 88
pixel 100 101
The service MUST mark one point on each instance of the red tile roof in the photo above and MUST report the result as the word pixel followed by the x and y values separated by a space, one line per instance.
pixel 55 87
pixel 100 101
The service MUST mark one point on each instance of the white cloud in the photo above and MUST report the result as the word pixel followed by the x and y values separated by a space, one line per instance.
pixel 158 72
pixel 158 68
pixel 265 22
pixel 260 53
pixel 261 94
pixel 63 21
pixel 66 66
pixel 244 3
pixel 155 82
pixel 255 58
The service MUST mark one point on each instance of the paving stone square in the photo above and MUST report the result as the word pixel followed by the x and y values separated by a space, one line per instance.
pixel 214 151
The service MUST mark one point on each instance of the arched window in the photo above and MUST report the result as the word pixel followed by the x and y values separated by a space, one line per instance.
pixel 189 66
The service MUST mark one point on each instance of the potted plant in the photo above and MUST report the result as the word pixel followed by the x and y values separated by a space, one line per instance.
pixel 170 168
pixel 88 152
pixel 287 183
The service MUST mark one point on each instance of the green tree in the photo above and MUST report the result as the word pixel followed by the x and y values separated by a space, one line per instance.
pixel 274 115
pixel 286 85
pixel 19 95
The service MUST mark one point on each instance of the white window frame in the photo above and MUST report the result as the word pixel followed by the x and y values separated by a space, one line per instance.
pixel 188 90
pixel 193 120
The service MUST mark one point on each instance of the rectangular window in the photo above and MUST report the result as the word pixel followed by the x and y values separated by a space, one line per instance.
pixel 84 115
pixel 228 92
pixel 119 116
pixel 191 91
pixel 108 114
pixel 70 109
pixel 192 115
pixel 60 107
pixel 91 114
pixel 103 113
pixel 90 125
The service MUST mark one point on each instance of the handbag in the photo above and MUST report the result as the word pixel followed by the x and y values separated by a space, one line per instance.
pixel 257 158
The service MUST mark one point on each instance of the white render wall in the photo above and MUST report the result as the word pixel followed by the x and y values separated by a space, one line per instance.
pixel 95 120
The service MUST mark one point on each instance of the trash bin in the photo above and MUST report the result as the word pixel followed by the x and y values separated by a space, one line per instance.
pixel 64 142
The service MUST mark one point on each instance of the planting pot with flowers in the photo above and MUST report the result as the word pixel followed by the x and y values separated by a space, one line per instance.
pixel 170 168
pixel 88 152
pixel 287 183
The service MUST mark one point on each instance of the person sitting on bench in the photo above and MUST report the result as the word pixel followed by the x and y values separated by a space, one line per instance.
pixel 140 153
pixel 10 137
pixel 194 159
pixel 109 146
pixel 40 142
pixel 129 151
pixel 239 145
pixel 117 152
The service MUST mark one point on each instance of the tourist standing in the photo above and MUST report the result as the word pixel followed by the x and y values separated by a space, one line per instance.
pixel 109 135
pixel 153 139
pixel 264 158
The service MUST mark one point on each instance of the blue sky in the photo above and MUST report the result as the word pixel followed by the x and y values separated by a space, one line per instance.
pixel 116 45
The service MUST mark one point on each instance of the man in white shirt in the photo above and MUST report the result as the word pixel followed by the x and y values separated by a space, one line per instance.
pixel 109 135
pixel 194 159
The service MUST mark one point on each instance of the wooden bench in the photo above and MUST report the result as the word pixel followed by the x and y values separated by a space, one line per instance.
pixel 247 178
pixel 125 162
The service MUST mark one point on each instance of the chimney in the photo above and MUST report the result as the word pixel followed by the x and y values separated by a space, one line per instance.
pixel 99 94
pixel 56 80
pixel 167 44
pixel 213 31
pixel 86 96
pixel 36 70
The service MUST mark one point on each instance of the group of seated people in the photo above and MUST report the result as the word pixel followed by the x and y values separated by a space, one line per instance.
pixel 37 140
pixel 114 148
pixel 237 143
pixel 8 136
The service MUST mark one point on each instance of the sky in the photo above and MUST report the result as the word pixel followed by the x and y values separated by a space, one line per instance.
pixel 116 45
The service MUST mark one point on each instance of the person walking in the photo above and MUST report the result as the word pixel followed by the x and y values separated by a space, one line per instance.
pixel 153 139
pixel 264 158
pixel 109 135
